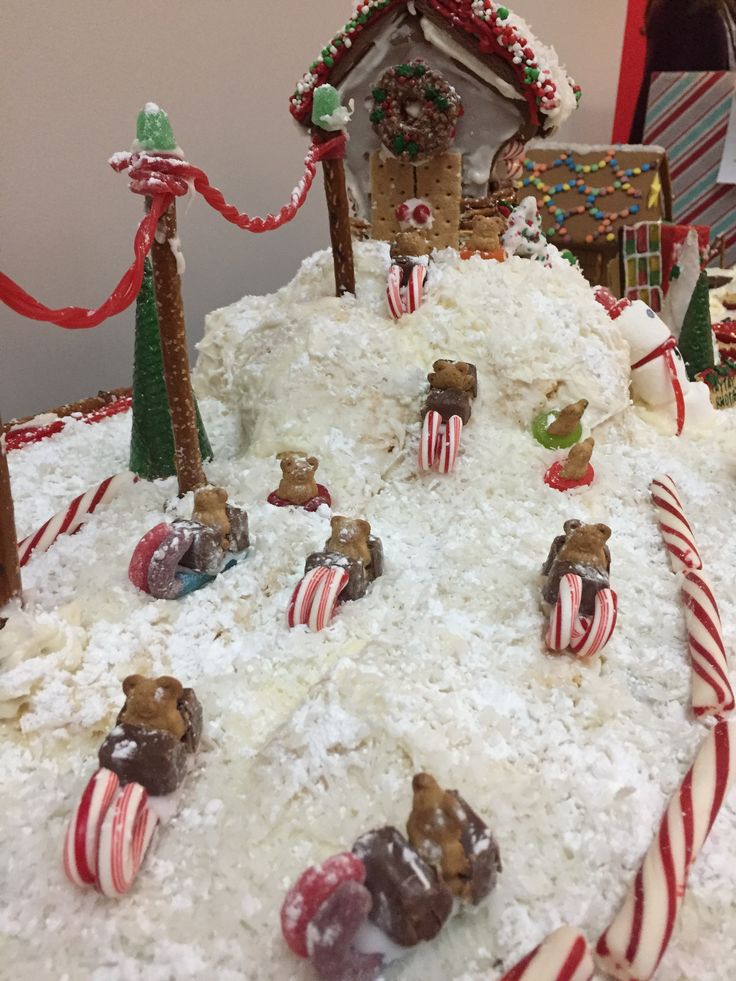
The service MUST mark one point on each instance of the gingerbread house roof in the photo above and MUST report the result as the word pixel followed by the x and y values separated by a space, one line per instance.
pixel 484 28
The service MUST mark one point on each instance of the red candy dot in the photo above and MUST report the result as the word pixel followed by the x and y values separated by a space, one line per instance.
pixel 554 477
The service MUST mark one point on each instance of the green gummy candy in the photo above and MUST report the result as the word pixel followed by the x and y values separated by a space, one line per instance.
pixel 153 129
pixel 539 432
pixel 325 101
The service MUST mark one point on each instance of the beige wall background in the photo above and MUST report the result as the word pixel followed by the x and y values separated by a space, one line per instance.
pixel 73 74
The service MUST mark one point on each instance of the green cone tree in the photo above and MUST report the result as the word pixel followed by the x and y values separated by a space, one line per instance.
pixel 152 438
pixel 696 336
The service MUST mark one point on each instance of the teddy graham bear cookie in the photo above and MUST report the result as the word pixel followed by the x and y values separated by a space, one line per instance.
pixel 298 487
pixel 360 910
pixel 447 408
pixel 146 757
pixel 350 561
pixel 576 592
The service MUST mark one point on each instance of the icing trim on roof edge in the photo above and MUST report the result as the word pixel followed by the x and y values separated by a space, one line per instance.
pixel 550 94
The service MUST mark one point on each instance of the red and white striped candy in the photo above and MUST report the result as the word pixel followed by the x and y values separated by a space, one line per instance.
pixel 68 521
pixel 634 944
pixel 449 444
pixel 563 956
pixel 429 440
pixel 583 636
pixel 415 289
pixel 393 293
pixel 597 631
pixel 564 616
pixel 676 532
pixel 124 837
pixel 83 832
pixel 315 598
pixel 712 693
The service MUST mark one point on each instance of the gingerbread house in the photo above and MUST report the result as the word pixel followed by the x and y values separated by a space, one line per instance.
pixel 586 195
pixel 446 95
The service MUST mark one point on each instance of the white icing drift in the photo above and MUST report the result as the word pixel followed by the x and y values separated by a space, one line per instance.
pixel 314 737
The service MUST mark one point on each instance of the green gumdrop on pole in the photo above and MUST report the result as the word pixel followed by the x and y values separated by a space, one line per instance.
pixel 153 129
pixel 325 101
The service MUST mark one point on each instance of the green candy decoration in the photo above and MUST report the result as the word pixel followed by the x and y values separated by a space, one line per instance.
pixel 153 130
pixel 325 101
pixel 539 432
pixel 696 336
pixel 152 438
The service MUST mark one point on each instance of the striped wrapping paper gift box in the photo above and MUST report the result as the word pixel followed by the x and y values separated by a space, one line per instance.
pixel 688 115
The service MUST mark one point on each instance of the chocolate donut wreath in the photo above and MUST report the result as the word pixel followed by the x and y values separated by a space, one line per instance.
pixel 415 112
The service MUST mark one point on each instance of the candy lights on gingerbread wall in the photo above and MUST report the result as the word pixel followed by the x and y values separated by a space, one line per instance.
pixel 594 195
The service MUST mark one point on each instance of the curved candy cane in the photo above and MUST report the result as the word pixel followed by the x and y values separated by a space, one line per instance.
pixel 429 440
pixel 124 837
pixel 563 956
pixel 414 291
pixel 449 444
pixel 70 520
pixel 583 636
pixel 635 942
pixel 393 293
pixel 315 598
pixel 83 831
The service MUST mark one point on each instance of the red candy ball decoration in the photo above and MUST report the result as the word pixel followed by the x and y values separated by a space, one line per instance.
pixel 310 891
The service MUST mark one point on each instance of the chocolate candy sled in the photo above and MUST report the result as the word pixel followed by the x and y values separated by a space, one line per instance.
pixel 172 560
pixel 331 578
pixel 114 822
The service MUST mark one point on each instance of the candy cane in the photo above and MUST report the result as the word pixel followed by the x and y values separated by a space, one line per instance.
pixel 634 944
pixel 414 291
pixel 124 837
pixel 68 521
pixel 325 599
pixel 583 636
pixel 564 614
pixel 512 154
pixel 314 599
pixel 712 693
pixel 598 631
pixel 393 293
pixel 678 536
pixel 83 832
pixel 449 444
pixel 563 956
pixel 429 439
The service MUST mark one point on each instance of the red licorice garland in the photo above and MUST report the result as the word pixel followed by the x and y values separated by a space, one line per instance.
pixel 162 177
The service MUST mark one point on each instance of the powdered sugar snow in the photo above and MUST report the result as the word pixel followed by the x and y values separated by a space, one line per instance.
pixel 312 739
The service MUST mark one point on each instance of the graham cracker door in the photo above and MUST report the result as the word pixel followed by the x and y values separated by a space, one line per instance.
pixel 438 181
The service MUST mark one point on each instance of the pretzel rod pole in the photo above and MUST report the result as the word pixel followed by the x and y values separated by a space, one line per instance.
pixel 10 582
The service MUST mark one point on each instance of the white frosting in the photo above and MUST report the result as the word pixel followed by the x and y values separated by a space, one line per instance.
pixel 314 737
pixel 443 42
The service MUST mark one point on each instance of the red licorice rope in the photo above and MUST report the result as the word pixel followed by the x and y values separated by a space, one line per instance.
pixel 162 177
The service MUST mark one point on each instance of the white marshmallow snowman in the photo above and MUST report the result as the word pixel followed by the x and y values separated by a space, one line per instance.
pixel 652 383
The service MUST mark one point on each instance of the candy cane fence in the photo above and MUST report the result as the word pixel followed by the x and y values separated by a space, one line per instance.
pixel 712 693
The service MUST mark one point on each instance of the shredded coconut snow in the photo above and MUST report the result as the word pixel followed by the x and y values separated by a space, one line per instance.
pixel 312 739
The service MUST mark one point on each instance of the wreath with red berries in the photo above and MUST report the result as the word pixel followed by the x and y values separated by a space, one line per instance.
pixel 415 112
